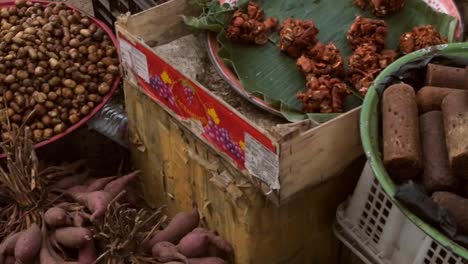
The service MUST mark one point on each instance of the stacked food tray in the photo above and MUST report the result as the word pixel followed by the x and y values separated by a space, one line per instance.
pixel 376 231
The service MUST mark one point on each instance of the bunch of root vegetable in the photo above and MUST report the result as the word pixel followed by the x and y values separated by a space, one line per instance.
pixel 51 213
pixel 23 184
pixel 59 214
pixel 367 37
pixel 182 241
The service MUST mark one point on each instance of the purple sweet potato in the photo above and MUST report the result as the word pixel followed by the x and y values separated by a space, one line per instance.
pixel 73 237
pixel 79 219
pixel 219 243
pixel 118 185
pixel 70 181
pixel 166 251
pixel 8 246
pixel 56 217
pixel 194 244
pixel 28 245
pixel 97 184
pixel 96 202
pixel 87 254
pixel 10 260
pixel 207 260
pixel 47 254
pixel 222 245
pixel 182 224
pixel 77 191
pixel 132 198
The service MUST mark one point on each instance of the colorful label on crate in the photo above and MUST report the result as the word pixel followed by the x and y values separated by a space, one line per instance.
pixel 225 129
pixel 134 59
pixel 261 162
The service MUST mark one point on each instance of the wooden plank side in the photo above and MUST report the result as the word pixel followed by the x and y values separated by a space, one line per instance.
pixel 162 23
pixel 319 154
pixel 261 232
pixel 146 146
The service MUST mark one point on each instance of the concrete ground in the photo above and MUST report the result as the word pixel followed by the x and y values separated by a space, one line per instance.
pixel 85 5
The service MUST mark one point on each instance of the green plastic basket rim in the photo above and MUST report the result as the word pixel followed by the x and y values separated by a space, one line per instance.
pixel 368 114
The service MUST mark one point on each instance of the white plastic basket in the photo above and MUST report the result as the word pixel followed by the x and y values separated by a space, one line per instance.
pixel 371 226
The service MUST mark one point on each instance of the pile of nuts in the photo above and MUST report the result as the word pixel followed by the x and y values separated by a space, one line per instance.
pixel 419 38
pixel 249 27
pixel 367 37
pixel 55 67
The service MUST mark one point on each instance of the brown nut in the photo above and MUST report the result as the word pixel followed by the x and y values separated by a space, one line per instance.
pixel 48 133
pixel 59 128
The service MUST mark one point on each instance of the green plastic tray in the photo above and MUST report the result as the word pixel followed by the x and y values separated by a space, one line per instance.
pixel 369 125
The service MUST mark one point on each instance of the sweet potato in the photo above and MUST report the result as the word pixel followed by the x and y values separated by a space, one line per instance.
pixel 70 181
pixel 207 260
pixel 222 245
pixel 204 230
pixel 73 237
pixel 28 245
pixel 80 218
pixel 10 260
pixel 219 243
pixel 8 246
pixel 56 217
pixel 457 207
pixel 47 254
pixel 180 225
pixel 430 98
pixel 87 254
pixel 118 185
pixel 98 184
pixel 96 202
pixel 132 198
pixel 466 189
pixel 166 251
pixel 77 191
pixel 194 244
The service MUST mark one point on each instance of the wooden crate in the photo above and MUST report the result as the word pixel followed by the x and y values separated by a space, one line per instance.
pixel 109 10
pixel 178 169
pixel 283 160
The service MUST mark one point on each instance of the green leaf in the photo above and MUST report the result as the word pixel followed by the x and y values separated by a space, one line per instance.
pixel 265 70
pixel 214 17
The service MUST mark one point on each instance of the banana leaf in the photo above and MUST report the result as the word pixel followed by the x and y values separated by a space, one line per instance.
pixel 265 70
